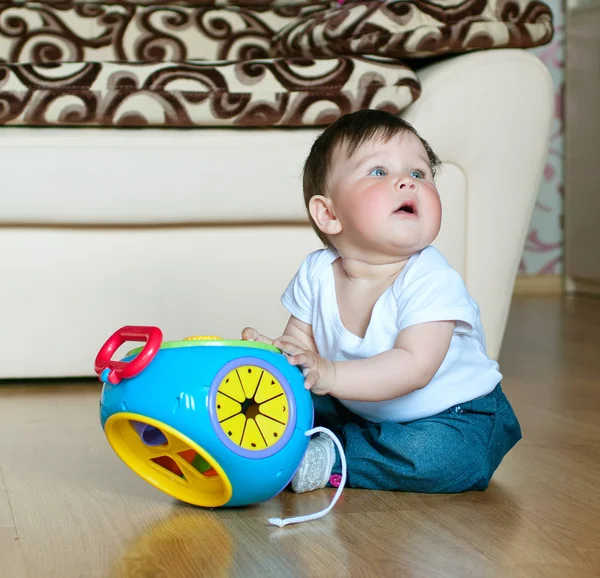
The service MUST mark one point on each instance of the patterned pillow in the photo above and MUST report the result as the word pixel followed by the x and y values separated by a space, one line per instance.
pixel 44 33
pixel 289 7
pixel 280 92
pixel 416 28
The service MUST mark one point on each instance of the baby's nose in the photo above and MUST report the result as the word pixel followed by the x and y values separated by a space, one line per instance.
pixel 407 182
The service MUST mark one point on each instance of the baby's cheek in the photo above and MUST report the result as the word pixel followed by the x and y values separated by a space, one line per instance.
pixel 436 205
pixel 435 210
pixel 362 211
pixel 370 215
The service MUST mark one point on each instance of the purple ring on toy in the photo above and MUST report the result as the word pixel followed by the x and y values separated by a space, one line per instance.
pixel 212 408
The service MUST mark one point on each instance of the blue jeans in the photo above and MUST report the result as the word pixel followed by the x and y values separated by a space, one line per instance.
pixel 454 451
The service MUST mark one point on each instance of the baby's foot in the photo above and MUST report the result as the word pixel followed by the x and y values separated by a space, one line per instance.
pixel 315 468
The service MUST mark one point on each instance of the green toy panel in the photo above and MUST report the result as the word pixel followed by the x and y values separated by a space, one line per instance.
pixel 211 343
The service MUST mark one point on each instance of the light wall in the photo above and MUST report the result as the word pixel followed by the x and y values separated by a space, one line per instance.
pixel 543 252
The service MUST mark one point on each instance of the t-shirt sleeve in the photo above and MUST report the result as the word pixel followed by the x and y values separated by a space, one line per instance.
pixel 298 297
pixel 438 295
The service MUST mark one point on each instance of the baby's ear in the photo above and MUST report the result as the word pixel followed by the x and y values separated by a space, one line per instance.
pixel 322 212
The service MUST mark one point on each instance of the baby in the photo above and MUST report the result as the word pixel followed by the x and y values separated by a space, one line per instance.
pixel 388 338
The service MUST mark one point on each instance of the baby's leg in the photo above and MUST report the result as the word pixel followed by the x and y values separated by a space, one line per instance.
pixel 315 470
pixel 455 451
pixel 332 414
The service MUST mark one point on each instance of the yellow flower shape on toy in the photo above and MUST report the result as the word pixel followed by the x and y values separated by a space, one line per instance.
pixel 252 407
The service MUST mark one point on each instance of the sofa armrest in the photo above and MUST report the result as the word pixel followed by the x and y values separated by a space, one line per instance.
pixel 489 113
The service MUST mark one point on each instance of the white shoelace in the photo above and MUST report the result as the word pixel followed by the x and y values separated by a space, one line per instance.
pixel 281 522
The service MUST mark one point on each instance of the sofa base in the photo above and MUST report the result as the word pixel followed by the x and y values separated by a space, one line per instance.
pixel 77 286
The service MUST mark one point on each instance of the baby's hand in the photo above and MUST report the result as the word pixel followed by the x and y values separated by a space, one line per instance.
pixel 251 334
pixel 319 373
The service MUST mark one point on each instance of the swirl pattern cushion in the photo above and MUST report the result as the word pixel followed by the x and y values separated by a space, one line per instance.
pixel 235 62
pixel 76 32
pixel 287 92
pixel 416 28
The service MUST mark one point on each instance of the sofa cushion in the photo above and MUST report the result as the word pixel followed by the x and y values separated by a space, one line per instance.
pixel 189 63
pixel 75 31
pixel 416 28
pixel 71 31
pixel 283 92
pixel 287 6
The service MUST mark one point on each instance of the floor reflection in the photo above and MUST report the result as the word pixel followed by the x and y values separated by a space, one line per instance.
pixel 193 544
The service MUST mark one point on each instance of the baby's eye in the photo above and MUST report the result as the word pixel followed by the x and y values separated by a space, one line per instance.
pixel 417 174
pixel 378 172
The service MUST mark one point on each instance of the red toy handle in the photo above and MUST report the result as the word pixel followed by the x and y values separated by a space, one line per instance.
pixel 125 369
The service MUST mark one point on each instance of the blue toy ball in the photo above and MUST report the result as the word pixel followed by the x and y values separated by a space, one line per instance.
pixel 207 421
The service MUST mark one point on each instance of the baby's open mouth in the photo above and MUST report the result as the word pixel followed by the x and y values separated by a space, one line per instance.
pixel 407 206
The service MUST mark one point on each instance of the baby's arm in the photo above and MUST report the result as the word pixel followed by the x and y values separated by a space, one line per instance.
pixel 300 332
pixel 417 355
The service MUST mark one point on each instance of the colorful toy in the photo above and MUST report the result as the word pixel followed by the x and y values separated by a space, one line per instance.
pixel 208 421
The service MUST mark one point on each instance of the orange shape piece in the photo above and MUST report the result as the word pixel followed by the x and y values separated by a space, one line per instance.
pixel 169 464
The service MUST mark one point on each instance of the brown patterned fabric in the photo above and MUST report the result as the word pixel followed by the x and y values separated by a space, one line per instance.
pixel 290 92
pixel 75 32
pixel 235 62
pixel 416 28
pixel 261 5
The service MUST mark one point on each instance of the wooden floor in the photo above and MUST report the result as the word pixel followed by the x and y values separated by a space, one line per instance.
pixel 70 509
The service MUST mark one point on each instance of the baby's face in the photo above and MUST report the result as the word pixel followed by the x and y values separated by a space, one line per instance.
pixel 384 196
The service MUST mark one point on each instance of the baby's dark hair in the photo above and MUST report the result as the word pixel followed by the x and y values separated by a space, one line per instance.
pixel 351 130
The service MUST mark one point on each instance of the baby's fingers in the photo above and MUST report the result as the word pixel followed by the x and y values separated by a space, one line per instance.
pixel 310 379
pixel 314 383
pixel 287 347
pixel 251 334
pixel 303 360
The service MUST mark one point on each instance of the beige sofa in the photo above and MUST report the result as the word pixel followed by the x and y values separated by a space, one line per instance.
pixel 200 231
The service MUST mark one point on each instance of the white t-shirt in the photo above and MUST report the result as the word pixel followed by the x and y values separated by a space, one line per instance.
pixel 426 290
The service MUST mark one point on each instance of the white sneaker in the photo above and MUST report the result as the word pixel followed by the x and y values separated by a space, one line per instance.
pixel 315 469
